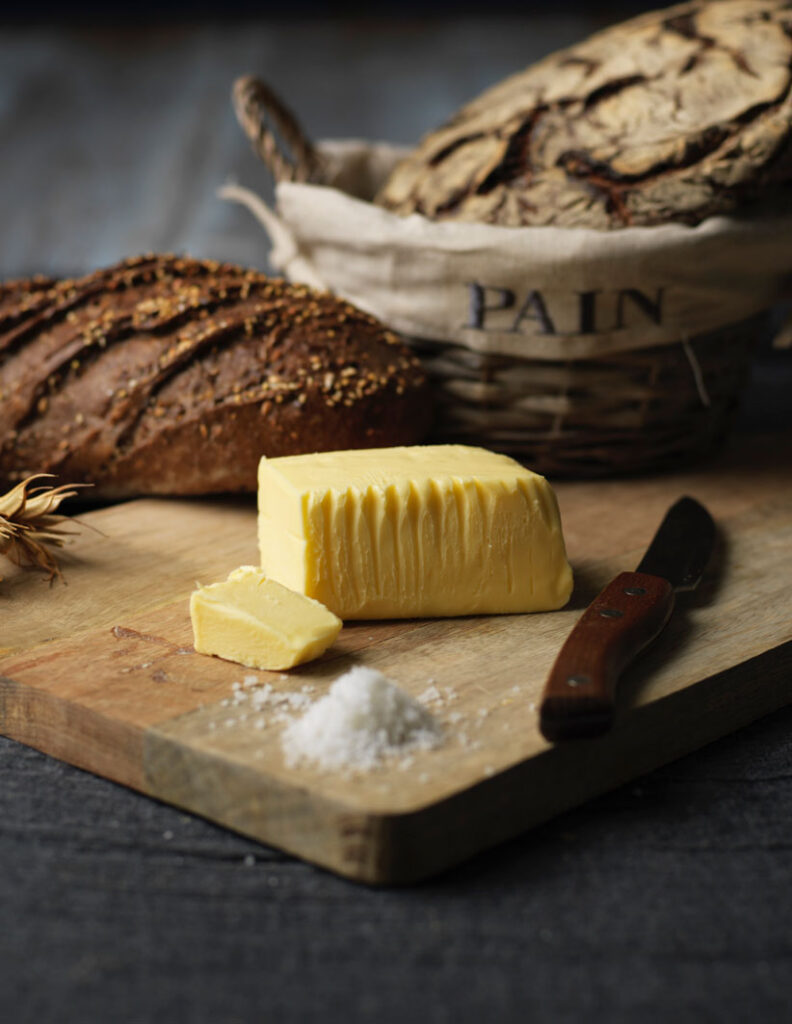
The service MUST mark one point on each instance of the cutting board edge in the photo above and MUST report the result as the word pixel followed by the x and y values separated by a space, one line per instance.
pixel 81 737
pixel 405 867
pixel 396 848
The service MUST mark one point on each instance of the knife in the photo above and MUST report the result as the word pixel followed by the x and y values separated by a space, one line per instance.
pixel 578 699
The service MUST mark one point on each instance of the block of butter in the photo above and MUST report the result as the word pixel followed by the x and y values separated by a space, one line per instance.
pixel 410 532
pixel 258 622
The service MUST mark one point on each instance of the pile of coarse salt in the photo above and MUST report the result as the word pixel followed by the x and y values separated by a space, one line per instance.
pixel 363 719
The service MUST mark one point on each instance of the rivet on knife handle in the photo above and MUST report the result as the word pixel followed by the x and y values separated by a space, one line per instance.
pixel 623 618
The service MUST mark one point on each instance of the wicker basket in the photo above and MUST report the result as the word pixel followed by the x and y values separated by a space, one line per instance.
pixel 625 410
pixel 628 412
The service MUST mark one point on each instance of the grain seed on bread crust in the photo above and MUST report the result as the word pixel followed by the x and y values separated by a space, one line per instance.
pixel 167 375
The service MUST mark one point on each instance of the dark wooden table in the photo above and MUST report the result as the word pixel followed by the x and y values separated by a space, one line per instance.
pixel 666 900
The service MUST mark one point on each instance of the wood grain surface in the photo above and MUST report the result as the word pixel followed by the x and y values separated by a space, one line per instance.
pixel 101 673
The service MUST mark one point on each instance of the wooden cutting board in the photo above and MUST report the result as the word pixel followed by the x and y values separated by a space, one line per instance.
pixel 100 672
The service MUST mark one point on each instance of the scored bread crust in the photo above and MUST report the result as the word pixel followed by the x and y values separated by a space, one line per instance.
pixel 167 375
pixel 676 115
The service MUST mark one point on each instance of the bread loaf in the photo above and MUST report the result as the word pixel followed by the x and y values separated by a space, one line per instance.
pixel 173 376
pixel 673 116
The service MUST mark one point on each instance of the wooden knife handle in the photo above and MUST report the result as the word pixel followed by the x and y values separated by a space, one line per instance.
pixel 620 621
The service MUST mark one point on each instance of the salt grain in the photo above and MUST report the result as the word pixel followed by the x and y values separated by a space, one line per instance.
pixel 430 695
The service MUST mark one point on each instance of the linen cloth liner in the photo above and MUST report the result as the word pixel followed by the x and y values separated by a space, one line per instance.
pixel 534 292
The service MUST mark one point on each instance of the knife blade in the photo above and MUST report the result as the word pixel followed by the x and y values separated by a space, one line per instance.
pixel 625 617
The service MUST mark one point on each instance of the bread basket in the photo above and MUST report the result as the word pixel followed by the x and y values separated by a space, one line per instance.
pixel 580 352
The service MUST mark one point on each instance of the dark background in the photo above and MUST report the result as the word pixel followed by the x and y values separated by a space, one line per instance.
pixel 668 900
pixel 153 12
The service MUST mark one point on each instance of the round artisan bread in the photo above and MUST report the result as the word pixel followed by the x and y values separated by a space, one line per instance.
pixel 675 115
pixel 167 375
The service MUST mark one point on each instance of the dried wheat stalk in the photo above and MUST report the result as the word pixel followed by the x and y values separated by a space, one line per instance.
pixel 29 525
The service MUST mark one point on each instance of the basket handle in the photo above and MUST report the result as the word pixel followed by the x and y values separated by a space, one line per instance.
pixel 274 131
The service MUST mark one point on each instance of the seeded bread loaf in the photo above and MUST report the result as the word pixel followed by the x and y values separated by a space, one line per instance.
pixel 173 376
pixel 673 116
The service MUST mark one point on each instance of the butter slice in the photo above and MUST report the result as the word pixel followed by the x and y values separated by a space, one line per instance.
pixel 410 532
pixel 258 622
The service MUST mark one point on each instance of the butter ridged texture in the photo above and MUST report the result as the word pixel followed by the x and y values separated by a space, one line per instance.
pixel 435 530
pixel 257 622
